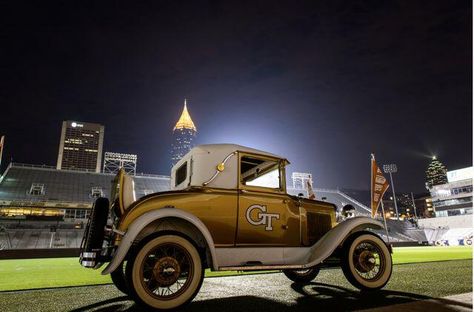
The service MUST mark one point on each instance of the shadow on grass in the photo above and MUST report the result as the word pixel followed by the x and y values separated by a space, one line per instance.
pixel 309 297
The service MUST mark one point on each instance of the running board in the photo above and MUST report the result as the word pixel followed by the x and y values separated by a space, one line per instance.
pixel 262 267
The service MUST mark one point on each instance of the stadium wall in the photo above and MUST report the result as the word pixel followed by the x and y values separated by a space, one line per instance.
pixel 452 222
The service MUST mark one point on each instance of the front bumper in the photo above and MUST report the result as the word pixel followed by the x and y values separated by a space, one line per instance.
pixel 88 259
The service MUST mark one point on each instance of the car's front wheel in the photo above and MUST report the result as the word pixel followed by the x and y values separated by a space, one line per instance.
pixel 366 261
pixel 165 273
pixel 302 276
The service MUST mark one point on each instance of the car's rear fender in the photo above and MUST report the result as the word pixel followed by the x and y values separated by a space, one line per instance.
pixel 137 227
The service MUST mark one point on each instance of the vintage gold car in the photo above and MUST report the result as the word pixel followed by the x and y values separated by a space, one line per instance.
pixel 227 209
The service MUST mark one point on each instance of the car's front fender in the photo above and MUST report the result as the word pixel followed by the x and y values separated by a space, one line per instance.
pixel 141 222
pixel 336 236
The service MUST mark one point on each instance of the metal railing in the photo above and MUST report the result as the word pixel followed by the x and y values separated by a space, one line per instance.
pixel 23 165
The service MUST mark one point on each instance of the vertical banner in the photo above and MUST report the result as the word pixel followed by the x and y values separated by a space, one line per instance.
pixel 378 186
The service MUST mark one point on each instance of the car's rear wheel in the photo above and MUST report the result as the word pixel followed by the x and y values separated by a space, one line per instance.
pixel 119 280
pixel 302 276
pixel 165 273
pixel 366 261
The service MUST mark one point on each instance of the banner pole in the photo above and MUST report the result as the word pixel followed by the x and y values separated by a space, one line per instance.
pixel 414 205
pixel 372 159
pixel 385 221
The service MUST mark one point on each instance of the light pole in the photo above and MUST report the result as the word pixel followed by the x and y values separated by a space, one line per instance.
pixel 392 168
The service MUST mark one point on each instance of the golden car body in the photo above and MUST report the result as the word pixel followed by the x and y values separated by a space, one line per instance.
pixel 224 210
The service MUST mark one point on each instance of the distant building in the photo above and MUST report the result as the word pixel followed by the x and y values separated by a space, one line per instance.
pixel 424 206
pixel 184 133
pixel 436 173
pixel 114 161
pixel 81 146
pixel 454 197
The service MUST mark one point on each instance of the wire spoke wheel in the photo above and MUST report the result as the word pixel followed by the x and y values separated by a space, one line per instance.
pixel 366 261
pixel 166 272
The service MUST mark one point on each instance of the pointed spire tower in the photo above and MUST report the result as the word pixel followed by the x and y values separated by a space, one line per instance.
pixel 184 133
pixel 185 121
pixel 436 173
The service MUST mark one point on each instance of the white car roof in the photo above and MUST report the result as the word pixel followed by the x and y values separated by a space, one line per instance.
pixel 203 160
pixel 229 148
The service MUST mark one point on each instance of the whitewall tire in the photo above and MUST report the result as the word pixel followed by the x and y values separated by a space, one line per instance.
pixel 165 273
pixel 366 261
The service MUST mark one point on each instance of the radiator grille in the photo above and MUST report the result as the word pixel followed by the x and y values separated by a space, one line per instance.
pixel 318 225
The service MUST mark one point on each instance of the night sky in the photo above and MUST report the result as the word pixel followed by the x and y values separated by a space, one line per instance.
pixel 324 83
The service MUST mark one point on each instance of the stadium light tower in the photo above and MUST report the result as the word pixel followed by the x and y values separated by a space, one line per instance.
pixel 392 168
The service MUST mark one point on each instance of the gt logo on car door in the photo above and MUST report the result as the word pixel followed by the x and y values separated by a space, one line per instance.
pixel 262 216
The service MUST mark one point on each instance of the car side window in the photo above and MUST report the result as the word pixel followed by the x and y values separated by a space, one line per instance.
pixel 181 174
pixel 259 172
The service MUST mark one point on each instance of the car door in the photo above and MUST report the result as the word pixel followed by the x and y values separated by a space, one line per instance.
pixel 267 216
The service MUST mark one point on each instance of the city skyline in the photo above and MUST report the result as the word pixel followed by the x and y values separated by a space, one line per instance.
pixel 185 122
pixel 322 84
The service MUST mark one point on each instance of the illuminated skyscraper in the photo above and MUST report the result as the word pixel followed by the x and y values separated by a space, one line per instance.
pixel 436 173
pixel 80 146
pixel 184 133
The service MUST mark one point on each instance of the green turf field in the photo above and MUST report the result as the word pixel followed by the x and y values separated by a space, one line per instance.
pixel 330 291
pixel 60 272
pixel 426 254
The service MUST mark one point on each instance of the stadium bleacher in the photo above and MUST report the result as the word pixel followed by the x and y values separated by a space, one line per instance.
pixel 66 196
pixel 66 186
pixel 336 197
pixel 34 239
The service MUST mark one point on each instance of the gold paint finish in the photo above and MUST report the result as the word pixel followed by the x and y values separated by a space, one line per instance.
pixel 216 208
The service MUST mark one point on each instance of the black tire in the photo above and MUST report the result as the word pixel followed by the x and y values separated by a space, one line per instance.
pixel 302 276
pixel 156 268
pixel 119 280
pixel 95 225
pixel 366 261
